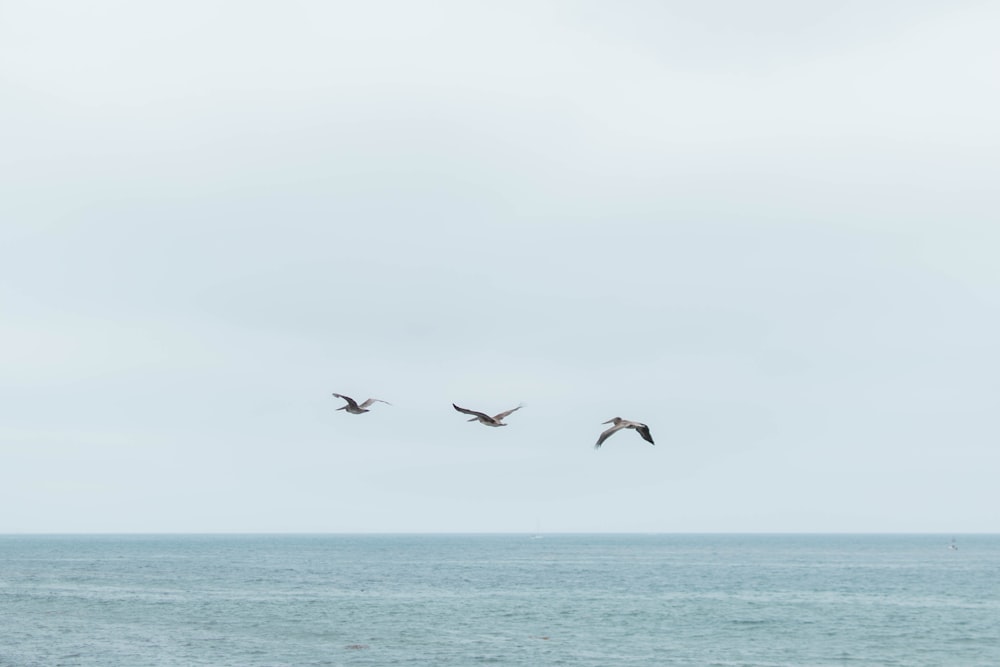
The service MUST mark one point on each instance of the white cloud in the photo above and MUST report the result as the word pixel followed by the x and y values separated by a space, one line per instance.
pixel 766 231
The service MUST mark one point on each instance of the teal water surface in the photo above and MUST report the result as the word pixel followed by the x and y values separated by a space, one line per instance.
pixel 170 600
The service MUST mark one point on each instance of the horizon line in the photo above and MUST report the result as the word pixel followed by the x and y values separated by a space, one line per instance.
pixel 482 533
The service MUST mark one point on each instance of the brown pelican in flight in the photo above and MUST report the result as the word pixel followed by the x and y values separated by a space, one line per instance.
pixel 619 425
pixel 483 418
pixel 355 409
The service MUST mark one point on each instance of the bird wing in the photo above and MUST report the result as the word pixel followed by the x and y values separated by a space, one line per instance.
pixel 644 432
pixel 373 400
pixel 350 401
pixel 500 416
pixel 607 434
pixel 482 415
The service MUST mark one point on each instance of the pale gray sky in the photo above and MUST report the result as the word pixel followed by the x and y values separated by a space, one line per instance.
pixel 768 230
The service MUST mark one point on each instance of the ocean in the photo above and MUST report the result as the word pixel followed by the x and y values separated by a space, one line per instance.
pixel 650 600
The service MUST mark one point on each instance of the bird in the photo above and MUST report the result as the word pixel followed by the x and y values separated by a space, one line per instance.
pixel 619 425
pixel 483 418
pixel 353 407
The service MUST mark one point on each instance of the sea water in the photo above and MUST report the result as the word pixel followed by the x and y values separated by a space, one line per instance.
pixel 170 600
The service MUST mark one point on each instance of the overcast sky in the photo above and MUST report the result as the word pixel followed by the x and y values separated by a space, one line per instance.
pixel 768 230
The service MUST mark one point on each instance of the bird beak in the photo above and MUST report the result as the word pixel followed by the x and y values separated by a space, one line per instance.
pixel 608 422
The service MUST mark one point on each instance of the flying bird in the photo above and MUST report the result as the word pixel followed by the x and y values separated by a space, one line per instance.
pixel 355 409
pixel 483 418
pixel 619 425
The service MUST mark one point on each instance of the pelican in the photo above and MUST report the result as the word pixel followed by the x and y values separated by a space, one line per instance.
pixel 483 418
pixel 353 407
pixel 619 425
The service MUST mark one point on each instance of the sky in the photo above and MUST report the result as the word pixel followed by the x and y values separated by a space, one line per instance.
pixel 769 231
